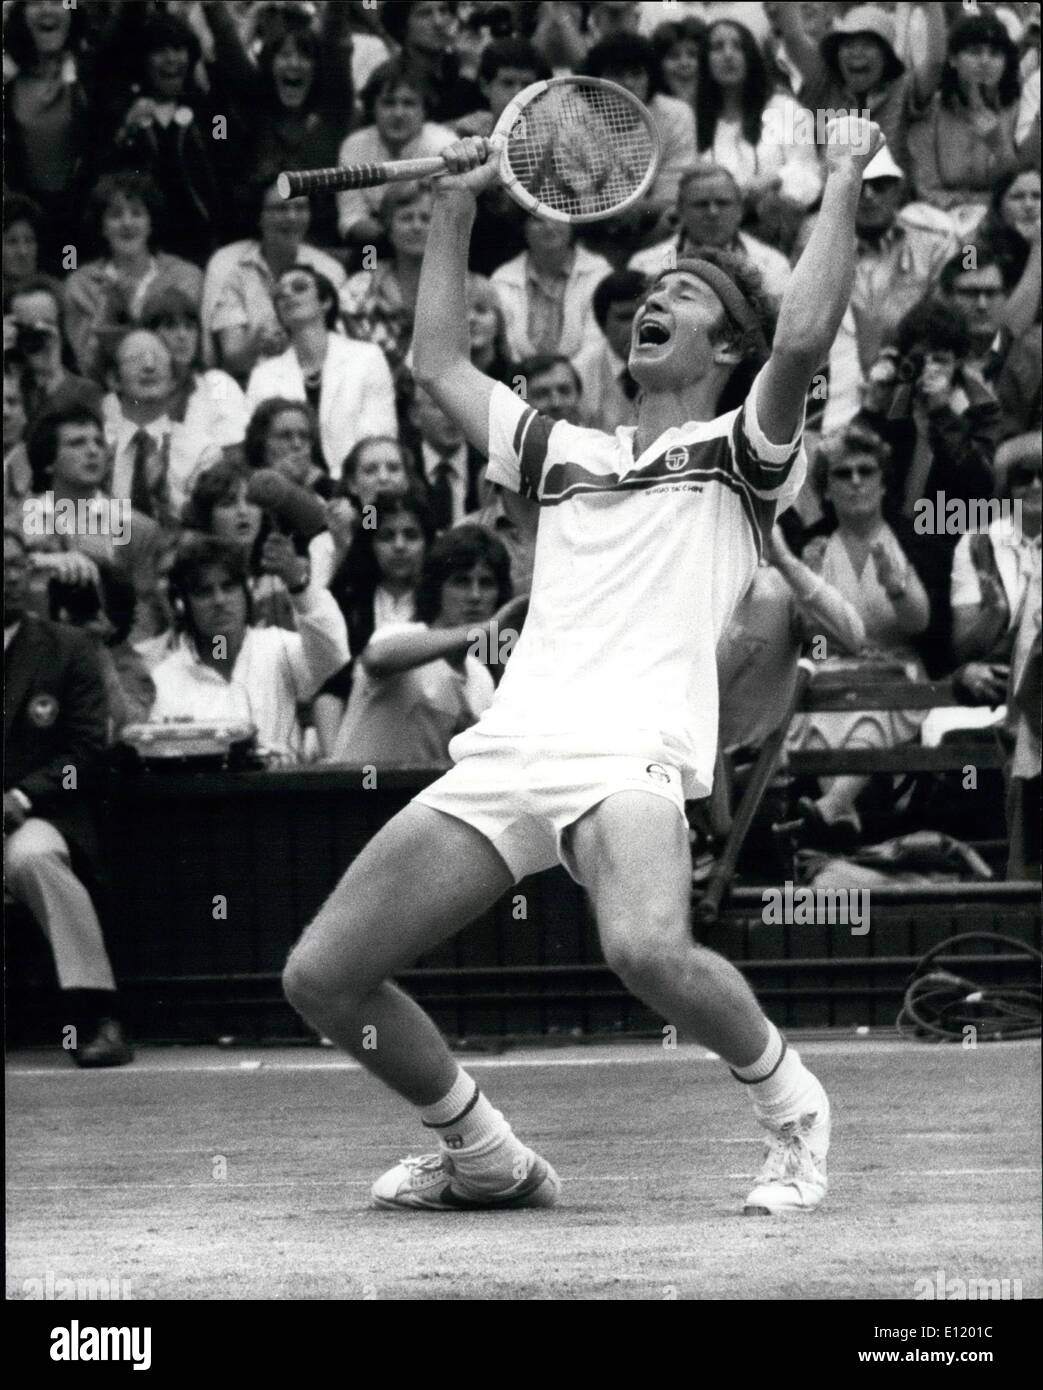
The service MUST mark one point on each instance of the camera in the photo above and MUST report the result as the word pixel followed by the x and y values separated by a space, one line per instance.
pixel 34 337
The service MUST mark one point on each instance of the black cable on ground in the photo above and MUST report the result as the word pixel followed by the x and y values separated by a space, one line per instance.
pixel 940 1007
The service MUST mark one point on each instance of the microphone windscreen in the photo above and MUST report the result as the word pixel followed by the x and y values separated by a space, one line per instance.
pixel 295 508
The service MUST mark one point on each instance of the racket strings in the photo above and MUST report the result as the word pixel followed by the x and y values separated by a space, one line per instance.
pixel 580 151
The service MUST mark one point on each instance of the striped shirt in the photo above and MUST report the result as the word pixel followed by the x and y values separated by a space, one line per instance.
pixel 639 565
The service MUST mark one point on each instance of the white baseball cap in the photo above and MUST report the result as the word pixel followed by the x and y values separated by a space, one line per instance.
pixel 882 166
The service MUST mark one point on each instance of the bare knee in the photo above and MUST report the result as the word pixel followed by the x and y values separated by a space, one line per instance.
pixel 323 974
pixel 646 947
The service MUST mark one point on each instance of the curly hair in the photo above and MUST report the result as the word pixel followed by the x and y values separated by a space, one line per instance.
pixel 195 555
pixel 853 439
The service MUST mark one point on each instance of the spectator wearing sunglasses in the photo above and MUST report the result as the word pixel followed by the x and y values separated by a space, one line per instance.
pixel 348 384
pixel 863 561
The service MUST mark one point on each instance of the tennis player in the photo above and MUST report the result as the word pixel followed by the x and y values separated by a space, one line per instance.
pixel 606 719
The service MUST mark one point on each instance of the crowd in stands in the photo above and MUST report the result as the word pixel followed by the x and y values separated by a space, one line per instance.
pixel 309 540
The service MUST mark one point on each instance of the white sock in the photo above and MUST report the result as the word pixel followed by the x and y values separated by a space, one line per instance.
pixel 778 1081
pixel 479 1139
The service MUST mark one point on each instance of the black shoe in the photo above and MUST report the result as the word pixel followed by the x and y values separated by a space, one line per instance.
pixel 107 1046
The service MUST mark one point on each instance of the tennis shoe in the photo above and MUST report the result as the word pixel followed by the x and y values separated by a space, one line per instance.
pixel 432 1183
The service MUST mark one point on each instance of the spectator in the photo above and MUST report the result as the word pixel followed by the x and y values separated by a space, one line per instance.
pixel 166 133
pixel 1011 228
pixel 240 324
pixel 224 667
pixel 864 562
pixel 48 132
pixel 764 139
pixel 375 586
pixel 378 463
pixel 347 384
pixel 284 434
pixel 23 223
pixel 553 386
pixel 418 685
pixel 546 292
pixel 208 403
pixel 155 457
pixel 679 45
pixel 424 29
pixel 17 475
pixel 105 611
pixel 854 67
pixel 294 106
pixel 941 423
pixel 488 329
pixel 70 465
pixel 54 723
pixel 609 391
pixel 710 210
pixel 631 60
pixel 815 21
pixel 965 143
pixel 786 606
pixel 978 285
pixel 396 105
pixel 992 573
pixel 220 506
pixel 900 255
pixel 379 303
pixel 507 66
pixel 34 327
pixel 106 296
pixel 452 468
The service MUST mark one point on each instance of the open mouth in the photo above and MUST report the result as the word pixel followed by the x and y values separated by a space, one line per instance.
pixel 652 333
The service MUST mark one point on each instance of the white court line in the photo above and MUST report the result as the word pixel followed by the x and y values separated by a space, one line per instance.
pixel 249 1066
pixel 579 1180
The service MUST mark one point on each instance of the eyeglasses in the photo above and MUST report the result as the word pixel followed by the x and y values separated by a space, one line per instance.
pixel 301 286
pixel 1023 475
pixel 847 474
pixel 977 292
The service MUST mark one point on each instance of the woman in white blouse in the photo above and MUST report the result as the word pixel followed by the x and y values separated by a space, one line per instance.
pixel 765 140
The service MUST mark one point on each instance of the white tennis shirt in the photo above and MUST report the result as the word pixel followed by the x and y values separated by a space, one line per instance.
pixel 639 565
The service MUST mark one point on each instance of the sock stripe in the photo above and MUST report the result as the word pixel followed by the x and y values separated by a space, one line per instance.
pixel 446 1124
pixel 745 1082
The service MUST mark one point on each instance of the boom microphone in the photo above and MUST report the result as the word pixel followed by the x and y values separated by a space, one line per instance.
pixel 296 510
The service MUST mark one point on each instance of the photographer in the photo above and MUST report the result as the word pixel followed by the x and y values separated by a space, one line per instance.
pixel 34 338
pixel 929 402
pixel 225 667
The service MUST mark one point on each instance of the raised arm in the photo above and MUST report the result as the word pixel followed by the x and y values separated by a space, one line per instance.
pixel 441 344
pixel 802 51
pixel 819 289
pixel 928 63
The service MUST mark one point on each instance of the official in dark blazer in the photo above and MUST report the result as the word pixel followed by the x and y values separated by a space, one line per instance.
pixel 55 719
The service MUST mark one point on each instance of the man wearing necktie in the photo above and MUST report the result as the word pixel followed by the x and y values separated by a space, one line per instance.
pixel 451 469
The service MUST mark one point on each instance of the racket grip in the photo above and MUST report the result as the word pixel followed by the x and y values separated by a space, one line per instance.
pixel 303 181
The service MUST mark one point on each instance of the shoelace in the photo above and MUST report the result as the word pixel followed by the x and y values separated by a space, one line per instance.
pixel 788 1158
pixel 426 1163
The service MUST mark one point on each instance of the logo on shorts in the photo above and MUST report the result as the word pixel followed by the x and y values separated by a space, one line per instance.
pixel 43 711
pixel 657 772
pixel 677 458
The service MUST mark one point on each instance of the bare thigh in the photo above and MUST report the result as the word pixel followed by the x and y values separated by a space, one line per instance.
pixel 419 881
pixel 633 853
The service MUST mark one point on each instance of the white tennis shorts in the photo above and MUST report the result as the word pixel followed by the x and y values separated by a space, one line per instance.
pixel 523 794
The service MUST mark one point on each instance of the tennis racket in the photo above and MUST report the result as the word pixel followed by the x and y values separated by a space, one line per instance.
pixel 572 149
